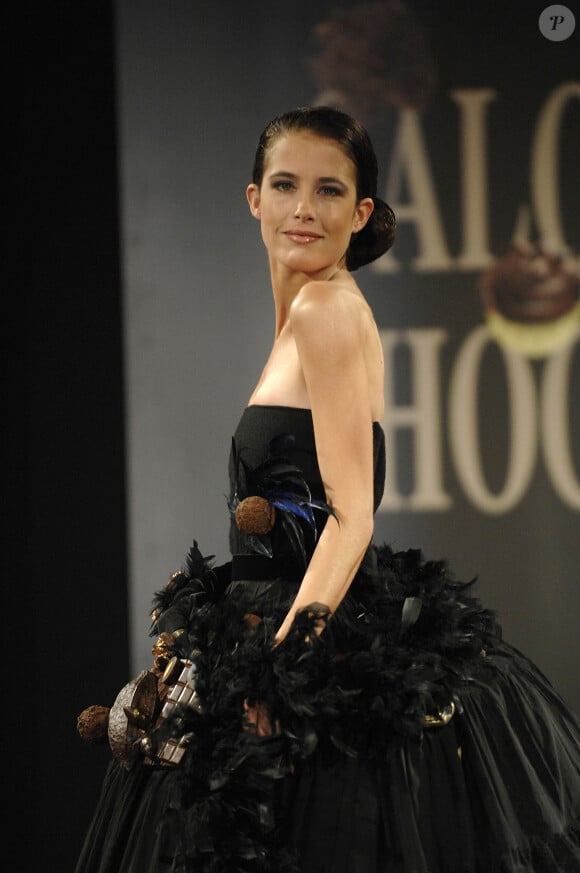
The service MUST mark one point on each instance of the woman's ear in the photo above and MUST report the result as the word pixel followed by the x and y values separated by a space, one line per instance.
pixel 362 213
pixel 253 197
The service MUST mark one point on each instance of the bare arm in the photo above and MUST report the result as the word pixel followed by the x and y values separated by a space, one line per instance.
pixel 328 330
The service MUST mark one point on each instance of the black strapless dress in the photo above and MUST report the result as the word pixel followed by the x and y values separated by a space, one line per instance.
pixel 408 737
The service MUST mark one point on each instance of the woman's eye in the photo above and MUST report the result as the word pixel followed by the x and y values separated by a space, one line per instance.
pixel 330 191
pixel 283 185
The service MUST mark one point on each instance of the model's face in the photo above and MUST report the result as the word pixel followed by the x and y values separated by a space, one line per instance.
pixel 307 202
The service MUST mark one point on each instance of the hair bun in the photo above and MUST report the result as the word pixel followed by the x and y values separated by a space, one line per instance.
pixel 376 237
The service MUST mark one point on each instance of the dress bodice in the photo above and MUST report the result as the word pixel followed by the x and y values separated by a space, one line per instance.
pixel 253 444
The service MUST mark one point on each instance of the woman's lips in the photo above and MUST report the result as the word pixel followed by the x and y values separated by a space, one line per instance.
pixel 302 237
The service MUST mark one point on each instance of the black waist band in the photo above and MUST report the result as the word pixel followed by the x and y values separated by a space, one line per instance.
pixel 260 568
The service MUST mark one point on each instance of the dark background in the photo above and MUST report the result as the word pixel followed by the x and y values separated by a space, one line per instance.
pixel 65 531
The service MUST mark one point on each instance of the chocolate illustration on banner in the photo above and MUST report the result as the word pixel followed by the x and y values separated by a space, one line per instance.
pixel 531 299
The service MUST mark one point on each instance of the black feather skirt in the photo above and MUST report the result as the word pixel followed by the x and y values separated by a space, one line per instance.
pixel 404 736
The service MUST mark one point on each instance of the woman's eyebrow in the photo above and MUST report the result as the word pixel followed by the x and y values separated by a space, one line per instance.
pixel 285 173
pixel 327 180
pixel 322 180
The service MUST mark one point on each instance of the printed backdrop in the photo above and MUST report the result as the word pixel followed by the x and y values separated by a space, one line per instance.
pixel 475 116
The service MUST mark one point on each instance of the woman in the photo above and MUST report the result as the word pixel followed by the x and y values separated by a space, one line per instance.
pixel 320 703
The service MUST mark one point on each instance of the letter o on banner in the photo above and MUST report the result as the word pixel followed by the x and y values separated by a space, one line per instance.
pixel 556 437
pixel 464 424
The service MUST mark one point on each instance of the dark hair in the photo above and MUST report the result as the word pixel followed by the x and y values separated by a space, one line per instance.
pixel 378 235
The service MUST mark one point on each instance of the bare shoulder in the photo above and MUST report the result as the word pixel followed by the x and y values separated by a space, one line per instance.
pixel 339 347
pixel 329 308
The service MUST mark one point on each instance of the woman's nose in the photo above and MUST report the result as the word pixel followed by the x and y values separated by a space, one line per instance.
pixel 304 209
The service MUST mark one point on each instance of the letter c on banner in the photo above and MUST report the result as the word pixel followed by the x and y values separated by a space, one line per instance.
pixel 545 166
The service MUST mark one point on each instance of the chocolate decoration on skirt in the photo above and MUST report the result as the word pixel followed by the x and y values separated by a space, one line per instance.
pixel 255 515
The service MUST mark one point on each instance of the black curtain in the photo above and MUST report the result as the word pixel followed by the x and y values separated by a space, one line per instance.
pixel 66 580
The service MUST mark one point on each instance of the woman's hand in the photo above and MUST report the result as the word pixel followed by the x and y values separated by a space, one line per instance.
pixel 318 616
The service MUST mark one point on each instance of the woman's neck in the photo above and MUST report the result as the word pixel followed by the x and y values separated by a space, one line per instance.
pixel 286 284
